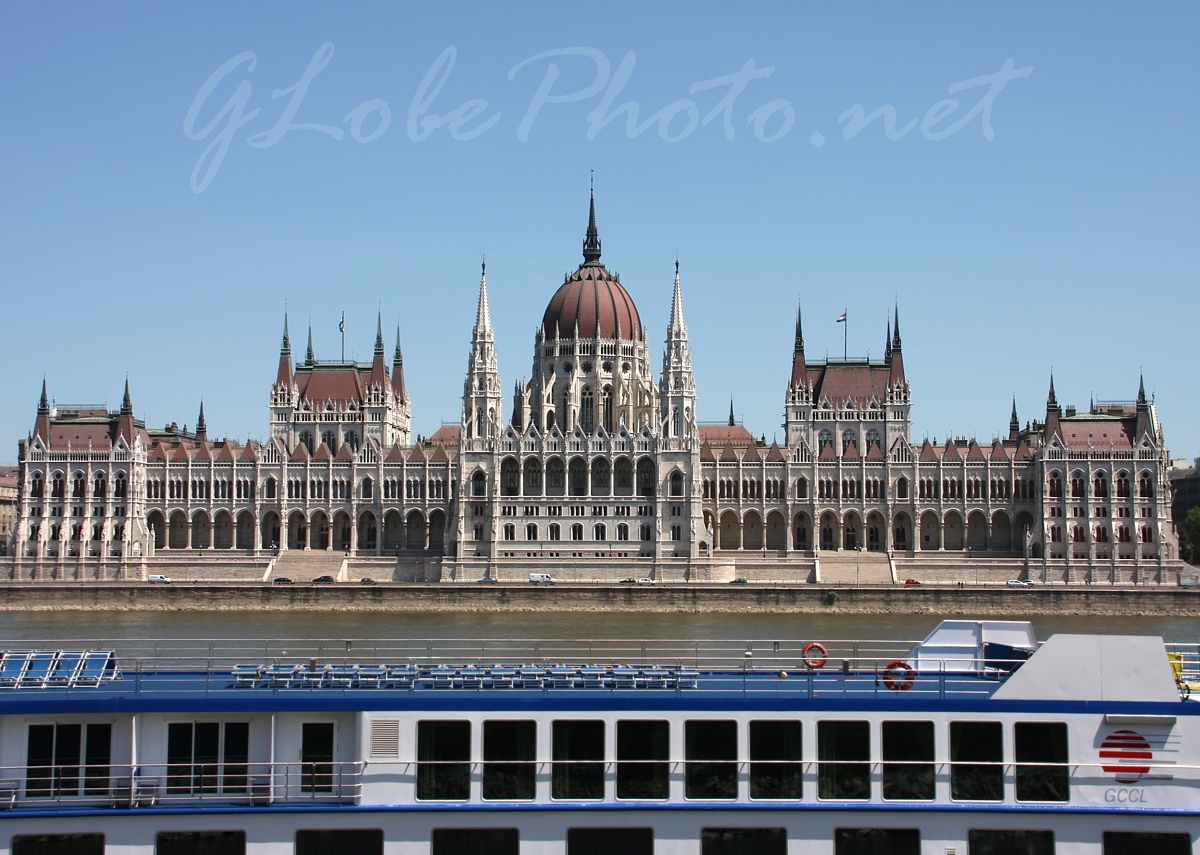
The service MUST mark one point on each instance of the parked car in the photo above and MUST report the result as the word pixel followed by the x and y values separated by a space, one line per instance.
pixel 282 580
pixel 629 581
pixel 158 578
pixel 367 580
pixel 738 581
pixel 1020 583
pixel 645 581
pixel 323 580
pixel 488 580
pixel 912 583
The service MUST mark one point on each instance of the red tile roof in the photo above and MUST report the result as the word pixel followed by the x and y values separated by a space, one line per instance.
pixel 447 435
pixel 591 297
pixel 1081 432
pixel 726 435
pixel 859 383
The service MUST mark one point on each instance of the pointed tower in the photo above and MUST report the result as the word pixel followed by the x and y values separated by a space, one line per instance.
pixel 398 370
pixel 799 400
pixel 1145 419
pixel 482 398
pixel 591 240
pixel 677 387
pixel 285 392
pixel 1053 412
pixel 1014 425
pixel 887 344
pixel 897 359
pixel 125 425
pixel 399 417
pixel 310 358
pixel 379 375
pixel 41 425
pixel 201 426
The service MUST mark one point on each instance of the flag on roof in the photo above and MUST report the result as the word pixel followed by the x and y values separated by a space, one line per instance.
pixel 342 324
pixel 841 318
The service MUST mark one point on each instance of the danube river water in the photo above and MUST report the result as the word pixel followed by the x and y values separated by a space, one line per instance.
pixel 118 629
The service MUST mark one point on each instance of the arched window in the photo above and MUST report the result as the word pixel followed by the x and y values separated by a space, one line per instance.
pixel 1122 485
pixel 531 532
pixel 555 531
pixel 578 477
pixel 848 439
pixel 1100 486
pixel 607 401
pixel 368 488
pixel 57 486
pixel 77 486
pixel 802 488
pixel 872 438
pixel 269 489
pixel 120 486
pixel 306 439
pixel 676 422
pixel 510 531
pixel 824 438
pixel 1054 489
pixel 35 486
pixel 645 478
pixel 902 488
pixel 352 440
pixel 554 475
pixel 509 485
pixel 479 485
pixel 676 483
pixel 100 486
pixel 1077 488
pixel 533 477
pixel 330 440
pixel 622 531
pixel 1147 534
pixel 587 410
pixel 600 532
pixel 1145 486
pixel 577 531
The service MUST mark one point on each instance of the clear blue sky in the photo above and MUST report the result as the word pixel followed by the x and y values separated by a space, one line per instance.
pixel 1065 241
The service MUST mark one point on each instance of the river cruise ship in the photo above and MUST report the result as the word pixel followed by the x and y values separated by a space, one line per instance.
pixel 976 741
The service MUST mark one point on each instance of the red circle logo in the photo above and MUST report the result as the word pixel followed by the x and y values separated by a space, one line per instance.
pixel 1126 748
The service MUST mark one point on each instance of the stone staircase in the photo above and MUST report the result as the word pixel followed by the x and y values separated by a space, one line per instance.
pixel 301 566
pixel 846 568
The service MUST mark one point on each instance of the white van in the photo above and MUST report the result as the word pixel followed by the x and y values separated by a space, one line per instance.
pixel 159 578
pixel 541 579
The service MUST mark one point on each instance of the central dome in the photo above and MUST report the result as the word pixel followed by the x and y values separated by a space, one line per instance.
pixel 592 299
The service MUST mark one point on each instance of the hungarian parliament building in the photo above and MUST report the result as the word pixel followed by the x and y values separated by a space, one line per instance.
pixel 600 470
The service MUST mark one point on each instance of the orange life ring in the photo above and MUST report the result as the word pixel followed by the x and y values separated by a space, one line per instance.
pixel 899 676
pixel 813 662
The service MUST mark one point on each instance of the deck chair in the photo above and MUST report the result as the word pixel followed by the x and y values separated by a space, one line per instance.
pixel 66 669
pixel 96 667
pixel 12 668
pixel 40 665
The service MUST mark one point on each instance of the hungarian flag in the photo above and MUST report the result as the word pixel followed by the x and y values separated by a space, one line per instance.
pixel 841 318
pixel 342 323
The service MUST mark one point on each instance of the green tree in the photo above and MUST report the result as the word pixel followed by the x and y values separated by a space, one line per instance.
pixel 1189 536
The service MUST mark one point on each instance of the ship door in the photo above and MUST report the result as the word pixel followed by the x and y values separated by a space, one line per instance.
pixel 316 757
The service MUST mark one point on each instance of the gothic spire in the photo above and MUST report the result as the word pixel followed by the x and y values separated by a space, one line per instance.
pixel 126 401
pixel 310 358
pixel 483 315
pixel 799 369
pixel 896 331
pixel 1141 398
pixel 591 243
pixel 1014 425
pixel 201 426
pixel 887 343
pixel 286 348
pixel 1051 399
pixel 398 368
pixel 44 402
pixel 678 328
pixel 732 421
pixel 379 334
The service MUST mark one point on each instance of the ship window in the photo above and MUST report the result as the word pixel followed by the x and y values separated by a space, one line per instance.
pixel 877 841
pixel 642 759
pixel 1042 742
pixel 711 770
pixel 908 760
pixel 843 752
pixel 775 768
pixel 335 841
pixel 200 843
pixel 578 751
pixel 1147 843
pixel 976 761
pixel 68 759
pixel 509 759
pixel 473 841
pixel 443 760
pixel 743 841
pixel 207 757
pixel 1009 842
pixel 58 844
pixel 610 841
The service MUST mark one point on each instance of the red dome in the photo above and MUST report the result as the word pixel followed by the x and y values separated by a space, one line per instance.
pixel 591 296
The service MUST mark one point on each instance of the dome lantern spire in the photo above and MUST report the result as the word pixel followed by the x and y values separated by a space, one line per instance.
pixel 591 243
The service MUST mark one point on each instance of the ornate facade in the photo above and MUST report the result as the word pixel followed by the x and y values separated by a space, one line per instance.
pixel 600 461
